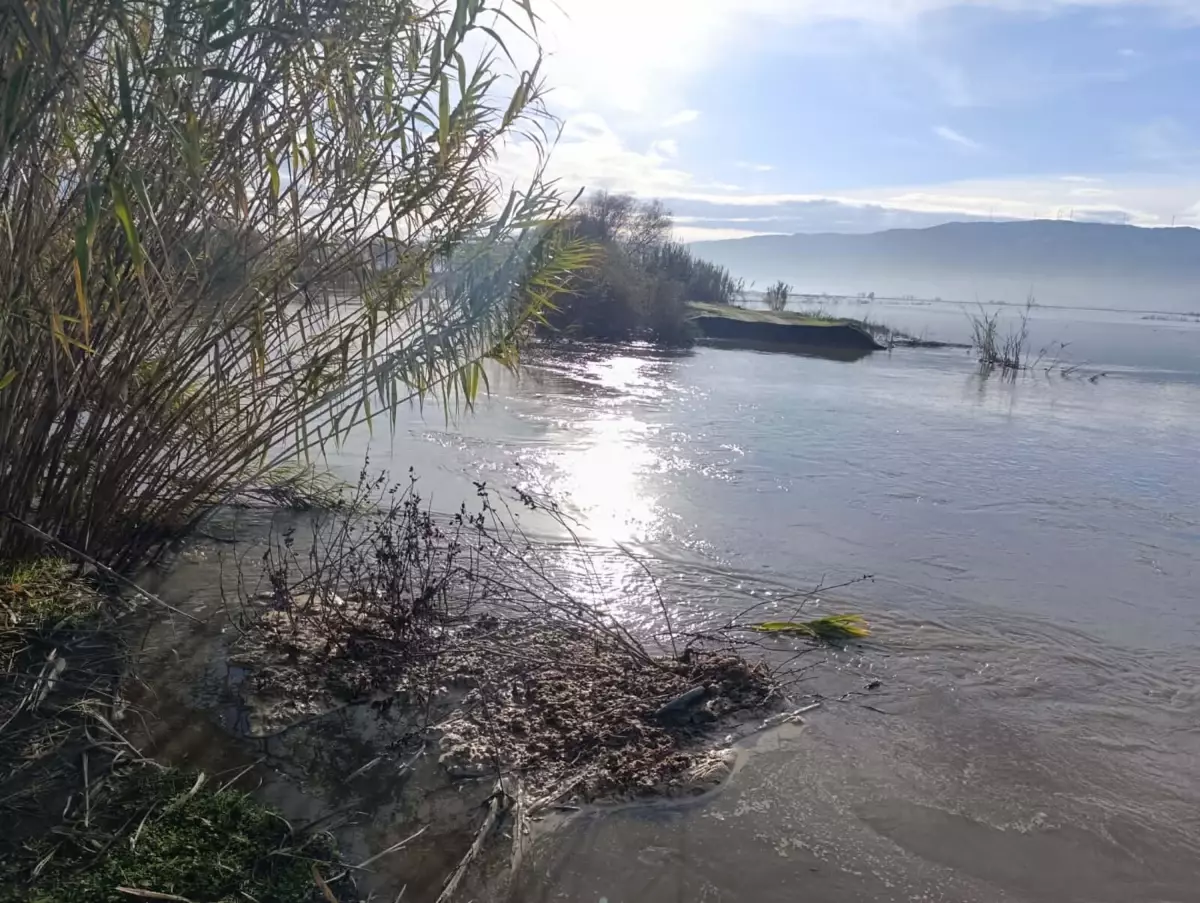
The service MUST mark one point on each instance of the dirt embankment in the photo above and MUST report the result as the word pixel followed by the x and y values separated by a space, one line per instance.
pixel 740 326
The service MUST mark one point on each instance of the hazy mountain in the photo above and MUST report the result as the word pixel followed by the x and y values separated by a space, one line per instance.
pixel 1076 264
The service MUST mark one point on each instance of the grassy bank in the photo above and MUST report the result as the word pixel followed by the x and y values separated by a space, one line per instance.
pixel 149 833
pixel 777 317
pixel 88 819
pixel 726 323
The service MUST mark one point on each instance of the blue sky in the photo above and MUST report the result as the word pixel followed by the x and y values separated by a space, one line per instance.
pixel 851 115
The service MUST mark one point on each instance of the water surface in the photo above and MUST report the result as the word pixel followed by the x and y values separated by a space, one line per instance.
pixel 1036 551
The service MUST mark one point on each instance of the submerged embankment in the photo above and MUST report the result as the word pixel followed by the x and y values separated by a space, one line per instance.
pixel 738 326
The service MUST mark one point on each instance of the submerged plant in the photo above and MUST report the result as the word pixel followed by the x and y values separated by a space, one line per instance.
pixel 1007 351
pixel 234 230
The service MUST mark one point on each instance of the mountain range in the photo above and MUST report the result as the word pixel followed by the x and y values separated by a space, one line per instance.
pixel 1057 262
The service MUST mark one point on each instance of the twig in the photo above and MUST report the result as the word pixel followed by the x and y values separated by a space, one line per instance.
pixel 559 792
pixel 520 826
pixel 359 772
pixel 138 833
pixel 154 895
pixel 393 848
pixel 320 882
pixel 233 780
pixel 662 603
pixel 481 836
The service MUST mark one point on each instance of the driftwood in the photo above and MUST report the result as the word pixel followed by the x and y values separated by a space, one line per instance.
pixel 495 807
pixel 683 701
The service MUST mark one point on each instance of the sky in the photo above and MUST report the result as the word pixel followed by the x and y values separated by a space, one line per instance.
pixel 776 116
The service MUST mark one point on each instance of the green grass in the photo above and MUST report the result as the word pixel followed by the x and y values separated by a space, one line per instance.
pixel 157 831
pixel 783 318
pixel 140 828
pixel 42 594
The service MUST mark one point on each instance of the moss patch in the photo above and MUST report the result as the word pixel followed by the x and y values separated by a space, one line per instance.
pixel 157 831
pixel 44 594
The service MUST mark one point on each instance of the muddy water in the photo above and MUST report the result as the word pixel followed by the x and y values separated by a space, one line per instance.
pixel 1036 550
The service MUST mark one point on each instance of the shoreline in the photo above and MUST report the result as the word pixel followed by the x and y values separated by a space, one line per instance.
pixel 451 740
pixel 736 325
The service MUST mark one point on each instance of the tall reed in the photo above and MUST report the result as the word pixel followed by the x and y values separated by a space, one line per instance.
pixel 233 230
pixel 1010 351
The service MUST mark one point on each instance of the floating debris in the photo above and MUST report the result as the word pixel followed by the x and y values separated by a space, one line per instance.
pixel 832 628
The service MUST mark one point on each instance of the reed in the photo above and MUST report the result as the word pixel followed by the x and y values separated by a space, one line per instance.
pixel 232 231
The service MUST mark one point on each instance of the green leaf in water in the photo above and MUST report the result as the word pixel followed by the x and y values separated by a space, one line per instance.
pixel 833 627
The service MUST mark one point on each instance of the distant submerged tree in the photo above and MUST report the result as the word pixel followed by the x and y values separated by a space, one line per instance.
pixel 642 278
pixel 777 296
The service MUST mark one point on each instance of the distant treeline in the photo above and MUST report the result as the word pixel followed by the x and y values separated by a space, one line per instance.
pixel 641 280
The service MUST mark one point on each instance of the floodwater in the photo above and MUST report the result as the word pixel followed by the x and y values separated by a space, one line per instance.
pixel 1024 725
pixel 1035 546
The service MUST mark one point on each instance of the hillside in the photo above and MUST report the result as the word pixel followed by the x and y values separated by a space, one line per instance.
pixel 1074 264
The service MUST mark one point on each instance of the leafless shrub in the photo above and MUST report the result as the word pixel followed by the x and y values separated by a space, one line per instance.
pixel 385 574
pixel 480 628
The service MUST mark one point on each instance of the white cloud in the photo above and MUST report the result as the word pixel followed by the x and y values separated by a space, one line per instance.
pixel 958 138
pixel 639 56
pixel 683 117
pixel 715 233
pixel 1143 200
pixel 666 148
pixel 618 115
pixel 590 154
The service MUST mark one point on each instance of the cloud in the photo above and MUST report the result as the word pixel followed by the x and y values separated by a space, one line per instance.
pixel 683 117
pixel 1147 200
pixel 592 155
pixel 813 214
pixel 584 39
pixel 618 121
pixel 958 138
pixel 715 233
pixel 666 148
